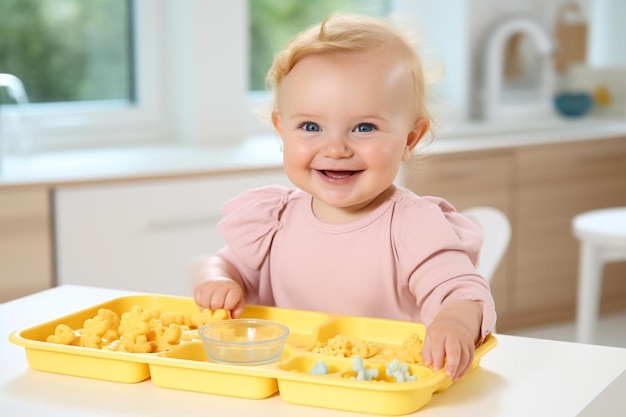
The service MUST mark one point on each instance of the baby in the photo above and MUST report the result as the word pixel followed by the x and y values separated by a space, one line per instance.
pixel 349 107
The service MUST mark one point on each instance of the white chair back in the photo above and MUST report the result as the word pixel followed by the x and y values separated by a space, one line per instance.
pixel 497 230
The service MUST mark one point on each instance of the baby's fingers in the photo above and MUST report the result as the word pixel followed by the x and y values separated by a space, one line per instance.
pixel 202 295
pixel 439 351
pixel 223 296
pixel 454 354
pixel 433 352
pixel 234 302
pixel 458 359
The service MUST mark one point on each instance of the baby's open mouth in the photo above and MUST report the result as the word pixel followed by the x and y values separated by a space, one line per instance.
pixel 338 174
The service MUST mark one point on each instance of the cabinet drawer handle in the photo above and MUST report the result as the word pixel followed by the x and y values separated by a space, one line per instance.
pixel 181 224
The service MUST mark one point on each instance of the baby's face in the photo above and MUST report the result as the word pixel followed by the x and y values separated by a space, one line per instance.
pixel 347 121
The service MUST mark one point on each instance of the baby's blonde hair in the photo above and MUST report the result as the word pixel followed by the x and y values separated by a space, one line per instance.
pixel 350 33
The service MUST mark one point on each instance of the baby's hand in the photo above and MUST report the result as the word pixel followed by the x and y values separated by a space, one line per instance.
pixel 451 338
pixel 220 293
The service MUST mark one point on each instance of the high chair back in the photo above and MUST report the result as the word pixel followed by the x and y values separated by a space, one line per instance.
pixel 497 230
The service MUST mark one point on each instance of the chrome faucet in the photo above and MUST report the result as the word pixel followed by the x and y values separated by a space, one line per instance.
pixel 493 60
pixel 13 133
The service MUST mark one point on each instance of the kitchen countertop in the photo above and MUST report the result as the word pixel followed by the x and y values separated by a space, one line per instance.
pixel 168 161
pixel 519 377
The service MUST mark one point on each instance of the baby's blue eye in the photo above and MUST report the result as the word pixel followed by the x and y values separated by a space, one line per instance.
pixel 364 128
pixel 310 127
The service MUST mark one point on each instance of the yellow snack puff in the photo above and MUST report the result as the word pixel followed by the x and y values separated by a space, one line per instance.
pixel 221 314
pixel 134 342
pixel 63 334
pixel 149 315
pixel 93 331
pixel 412 349
pixel 96 325
pixel 111 317
pixel 154 323
pixel 208 316
pixel 364 349
pixel 198 320
pixel 133 315
pixel 133 320
pixel 168 336
pixel 90 340
pixel 181 319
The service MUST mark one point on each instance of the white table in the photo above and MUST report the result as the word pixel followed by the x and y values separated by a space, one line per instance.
pixel 519 377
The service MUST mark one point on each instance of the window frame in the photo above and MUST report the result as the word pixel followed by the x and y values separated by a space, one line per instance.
pixel 55 126
pixel 183 50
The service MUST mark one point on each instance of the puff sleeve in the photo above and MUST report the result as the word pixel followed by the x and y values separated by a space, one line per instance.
pixel 438 250
pixel 248 226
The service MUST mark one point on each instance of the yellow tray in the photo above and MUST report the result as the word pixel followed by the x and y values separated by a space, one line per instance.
pixel 187 367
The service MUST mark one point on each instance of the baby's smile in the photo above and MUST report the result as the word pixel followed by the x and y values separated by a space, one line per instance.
pixel 338 174
pixel 338 177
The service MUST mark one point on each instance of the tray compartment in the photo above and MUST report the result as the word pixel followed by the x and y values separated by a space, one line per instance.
pixel 387 335
pixel 372 397
pixel 71 360
pixel 95 363
pixel 188 368
pixel 337 390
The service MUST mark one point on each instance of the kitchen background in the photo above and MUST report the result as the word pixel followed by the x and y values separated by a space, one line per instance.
pixel 125 193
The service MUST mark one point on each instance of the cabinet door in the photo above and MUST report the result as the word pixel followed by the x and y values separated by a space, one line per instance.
pixel 557 182
pixel 468 179
pixel 144 236
pixel 25 243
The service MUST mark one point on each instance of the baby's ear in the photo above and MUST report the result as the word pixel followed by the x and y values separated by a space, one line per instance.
pixel 277 122
pixel 420 127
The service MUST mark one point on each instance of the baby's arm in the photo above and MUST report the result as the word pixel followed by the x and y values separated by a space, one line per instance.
pixel 219 285
pixel 452 336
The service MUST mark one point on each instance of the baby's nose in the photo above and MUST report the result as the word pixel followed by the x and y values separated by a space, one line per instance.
pixel 337 146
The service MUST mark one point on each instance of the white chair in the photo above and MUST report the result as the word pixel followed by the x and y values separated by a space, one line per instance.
pixel 497 230
pixel 602 236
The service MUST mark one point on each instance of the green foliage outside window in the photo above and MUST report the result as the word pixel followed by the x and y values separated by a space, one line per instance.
pixel 273 22
pixel 81 50
pixel 67 50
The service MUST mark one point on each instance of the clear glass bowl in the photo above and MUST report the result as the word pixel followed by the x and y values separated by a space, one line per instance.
pixel 244 341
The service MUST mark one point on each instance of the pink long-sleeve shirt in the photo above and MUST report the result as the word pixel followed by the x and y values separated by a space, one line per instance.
pixel 403 261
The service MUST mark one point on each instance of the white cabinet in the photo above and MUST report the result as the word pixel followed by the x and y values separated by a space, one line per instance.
pixel 143 236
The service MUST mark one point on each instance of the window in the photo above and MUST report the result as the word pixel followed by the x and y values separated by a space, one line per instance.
pixel 274 22
pixel 87 69
pixel 68 50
